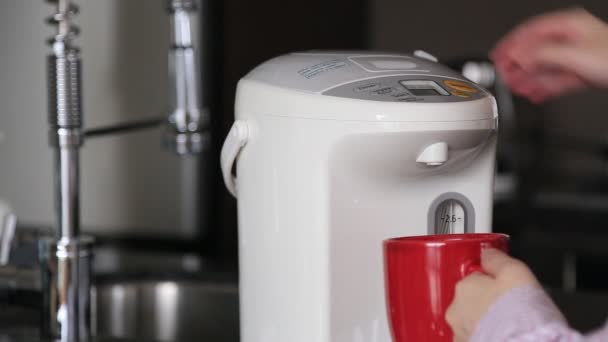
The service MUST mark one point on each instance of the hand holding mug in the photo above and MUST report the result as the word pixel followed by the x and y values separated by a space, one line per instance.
pixel 477 292
pixel 421 274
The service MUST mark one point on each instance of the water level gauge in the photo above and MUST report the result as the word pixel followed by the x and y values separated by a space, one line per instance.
pixel 449 214
pixel 450 218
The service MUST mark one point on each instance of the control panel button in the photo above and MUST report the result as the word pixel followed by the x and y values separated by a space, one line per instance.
pixel 460 86
pixel 383 91
pixel 461 93
pixel 368 87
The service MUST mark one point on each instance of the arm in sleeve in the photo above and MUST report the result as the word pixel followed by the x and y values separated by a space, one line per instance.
pixel 528 314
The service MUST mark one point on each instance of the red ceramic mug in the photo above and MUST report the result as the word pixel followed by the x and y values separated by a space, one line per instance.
pixel 421 273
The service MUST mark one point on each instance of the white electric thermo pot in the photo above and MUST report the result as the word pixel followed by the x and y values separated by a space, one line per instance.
pixel 334 152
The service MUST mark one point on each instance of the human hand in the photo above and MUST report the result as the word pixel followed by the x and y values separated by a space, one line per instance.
pixel 554 54
pixel 477 292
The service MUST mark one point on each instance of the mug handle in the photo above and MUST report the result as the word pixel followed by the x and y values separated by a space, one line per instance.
pixel 471 267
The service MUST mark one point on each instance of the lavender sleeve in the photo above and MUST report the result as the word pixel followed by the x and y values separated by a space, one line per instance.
pixel 528 314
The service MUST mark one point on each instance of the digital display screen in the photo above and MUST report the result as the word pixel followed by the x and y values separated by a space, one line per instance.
pixel 424 88
pixel 424 92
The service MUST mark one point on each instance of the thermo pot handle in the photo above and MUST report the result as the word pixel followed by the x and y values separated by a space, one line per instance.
pixel 235 141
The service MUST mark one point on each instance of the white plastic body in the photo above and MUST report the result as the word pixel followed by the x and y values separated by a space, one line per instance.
pixel 322 181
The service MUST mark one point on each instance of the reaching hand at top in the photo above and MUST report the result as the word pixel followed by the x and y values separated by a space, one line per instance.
pixel 554 54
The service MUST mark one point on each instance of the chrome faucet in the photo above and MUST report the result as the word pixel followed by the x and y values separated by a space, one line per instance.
pixel 65 259
pixel 186 128
pixel 8 223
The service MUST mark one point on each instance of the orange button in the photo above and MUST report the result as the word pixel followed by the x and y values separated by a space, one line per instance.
pixel 460 93
pixel 461 86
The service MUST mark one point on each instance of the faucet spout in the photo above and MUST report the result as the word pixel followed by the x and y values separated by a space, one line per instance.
pixel 186 127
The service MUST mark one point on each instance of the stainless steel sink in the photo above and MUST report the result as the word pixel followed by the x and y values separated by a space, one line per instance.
pixel 168 311
pixel 139 295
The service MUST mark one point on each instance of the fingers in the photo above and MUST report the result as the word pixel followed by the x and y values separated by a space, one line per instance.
pixel 559 26
pixel 453 317
pixel 473 280
pixel 551 56
pixel 476 293
pixel 461 315
pixel 544 85
pixel 544 72
pixel 554 84
pixel 495 262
